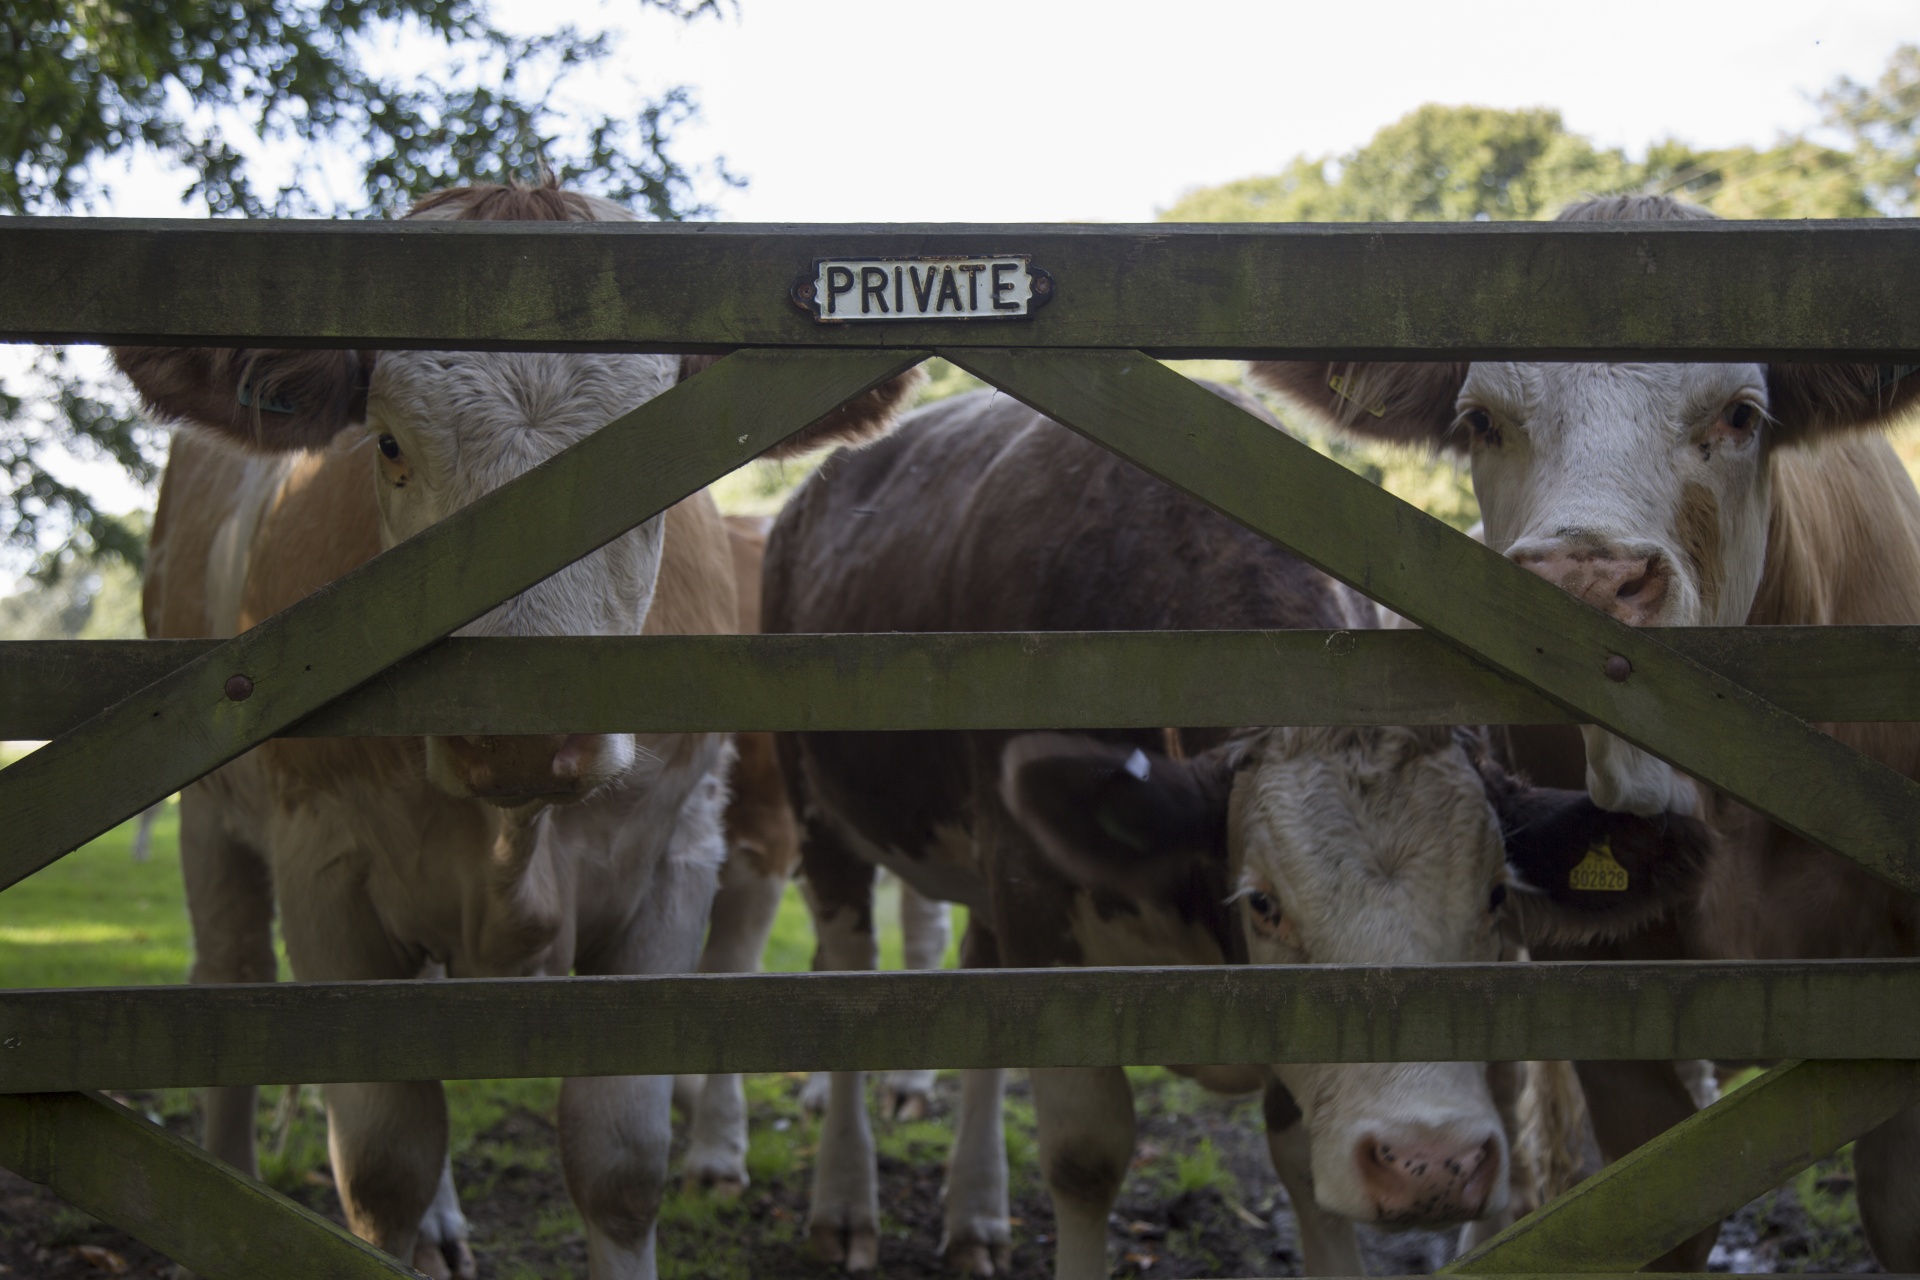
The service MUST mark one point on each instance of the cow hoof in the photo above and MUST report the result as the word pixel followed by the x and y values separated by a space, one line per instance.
pixel 979 1259
pixel 854 1248
pixel 451 1260
pixel 863 1251
pixel 903 1107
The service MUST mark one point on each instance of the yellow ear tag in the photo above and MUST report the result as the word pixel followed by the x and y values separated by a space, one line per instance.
pixel 1339 385
pixel 1598 872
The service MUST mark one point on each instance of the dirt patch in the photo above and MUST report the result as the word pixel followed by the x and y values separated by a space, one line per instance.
pixel 1199 1200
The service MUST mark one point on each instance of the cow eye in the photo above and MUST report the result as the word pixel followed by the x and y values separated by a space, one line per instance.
pixel 389 448
pixel 1497 898
pixel 1480 424
pixel 1263 905
pixel 1741 417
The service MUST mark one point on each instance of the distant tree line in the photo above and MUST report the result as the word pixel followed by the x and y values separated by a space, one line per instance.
pixel 1454 164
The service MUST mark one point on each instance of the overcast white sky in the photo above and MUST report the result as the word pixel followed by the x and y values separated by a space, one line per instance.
pixel 1042 110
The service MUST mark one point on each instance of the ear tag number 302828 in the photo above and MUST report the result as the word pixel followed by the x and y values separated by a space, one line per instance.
pixel 1598 872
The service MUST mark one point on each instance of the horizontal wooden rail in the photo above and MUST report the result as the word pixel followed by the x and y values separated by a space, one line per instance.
pixel 161 1189
pixel 1031 680
pixel 1482 291
pixel 151 1037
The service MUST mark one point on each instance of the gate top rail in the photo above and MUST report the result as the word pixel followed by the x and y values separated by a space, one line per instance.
pixel 1642 290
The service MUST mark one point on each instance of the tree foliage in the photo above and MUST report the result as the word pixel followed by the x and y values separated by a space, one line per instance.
pixel 1455 164
pixel 1882 121
pixel 260 105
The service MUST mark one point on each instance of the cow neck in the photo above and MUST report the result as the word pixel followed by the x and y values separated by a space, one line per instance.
pixel 1843 538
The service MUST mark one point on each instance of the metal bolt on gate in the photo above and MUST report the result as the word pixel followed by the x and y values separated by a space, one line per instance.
pixel 1073 322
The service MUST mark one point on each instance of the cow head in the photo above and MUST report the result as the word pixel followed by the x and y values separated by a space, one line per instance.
pixel 449 426
pixel 1360 846
pixel 1643 489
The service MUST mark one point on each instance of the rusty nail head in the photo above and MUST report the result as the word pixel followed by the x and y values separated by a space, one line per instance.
pixel 1617 668
pixel 239 688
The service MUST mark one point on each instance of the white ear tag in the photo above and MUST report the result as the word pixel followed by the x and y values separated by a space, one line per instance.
pixel 1137 764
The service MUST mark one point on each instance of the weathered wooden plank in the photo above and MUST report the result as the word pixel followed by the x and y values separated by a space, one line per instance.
pixel 165 1192
pixel 177 1036
pixel 184 725
pixel 963 680
pixel 1702 722
pixel 1482 291
pixel 1702 1169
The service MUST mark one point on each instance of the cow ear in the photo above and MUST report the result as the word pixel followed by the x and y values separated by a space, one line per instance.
pixel 1397 402
pixel 861 420
pixel 265 399
pixel 1809 402
pixel 1115 817
pixel 1580 873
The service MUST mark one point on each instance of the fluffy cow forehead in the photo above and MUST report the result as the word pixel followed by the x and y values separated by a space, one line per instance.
pixel 564 393
pixel 1377 814
pixel 1671 390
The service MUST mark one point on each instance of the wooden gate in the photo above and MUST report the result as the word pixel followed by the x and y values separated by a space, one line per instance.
pixel 132 722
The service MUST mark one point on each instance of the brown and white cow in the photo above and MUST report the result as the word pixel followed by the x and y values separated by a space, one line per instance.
pixel 979 514
pixel 1694 495
pixel 473 856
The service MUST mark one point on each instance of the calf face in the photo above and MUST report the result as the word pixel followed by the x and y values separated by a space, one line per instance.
pixel 1642 489
pixel 445 428
pixel 1356 846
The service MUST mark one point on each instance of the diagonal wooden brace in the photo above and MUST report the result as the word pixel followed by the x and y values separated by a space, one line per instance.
pixel 1702 1169
pixel 1685 713
pixel 184 726
pixel 164 1191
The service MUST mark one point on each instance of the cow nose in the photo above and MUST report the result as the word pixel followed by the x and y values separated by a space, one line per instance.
pixel 1425 1181
pixel 1631 588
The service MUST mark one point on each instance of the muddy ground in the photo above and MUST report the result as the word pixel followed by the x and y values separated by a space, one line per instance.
pixel 1200 1200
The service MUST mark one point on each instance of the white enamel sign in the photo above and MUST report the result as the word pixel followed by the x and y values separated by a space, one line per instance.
pixel 845 290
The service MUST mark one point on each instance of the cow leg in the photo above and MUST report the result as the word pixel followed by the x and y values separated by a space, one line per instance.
pixel 230 903
pixel 742 920
pixel 388 1140
pixel 843 1218
pixel 978 1235
pixel 925 928
pixel 1631 1103
pixel 442 1250
pixel 616 1131
pixel 1086 1123
pixel 1887 1165
pixel 1328 1246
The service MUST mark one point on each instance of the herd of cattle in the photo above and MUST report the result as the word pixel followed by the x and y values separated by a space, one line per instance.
pixel 1665 494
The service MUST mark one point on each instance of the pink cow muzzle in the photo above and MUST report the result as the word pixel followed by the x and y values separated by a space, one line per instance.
pixel 1632 584
pixel 1428 1180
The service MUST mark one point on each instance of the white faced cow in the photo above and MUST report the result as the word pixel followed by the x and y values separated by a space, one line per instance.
pixel 1695 495
pixel 476 856
pixel 1375 845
